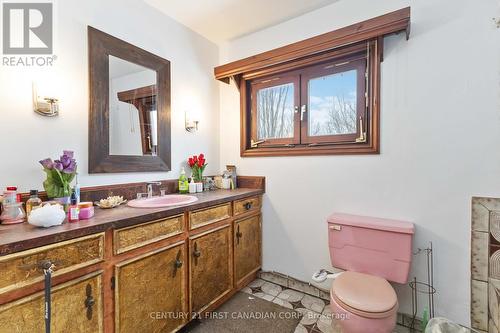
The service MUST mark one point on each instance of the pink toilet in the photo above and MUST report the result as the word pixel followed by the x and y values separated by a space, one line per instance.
pixel 372 251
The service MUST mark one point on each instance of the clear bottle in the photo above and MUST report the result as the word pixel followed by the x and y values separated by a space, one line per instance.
pixel 33 202
pixel 77 189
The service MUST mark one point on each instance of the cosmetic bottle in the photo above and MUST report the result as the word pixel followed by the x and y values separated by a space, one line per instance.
pixel 73 210
pixel 192 186
pixel 183 182
pixel 77 189
pixel 33 202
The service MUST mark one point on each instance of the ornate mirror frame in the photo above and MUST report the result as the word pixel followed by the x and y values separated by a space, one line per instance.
pixel 101 46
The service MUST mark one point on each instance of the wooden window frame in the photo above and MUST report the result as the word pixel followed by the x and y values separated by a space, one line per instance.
pixel 257 84
pixel 365 142
pixel 358 63
pixel 366 36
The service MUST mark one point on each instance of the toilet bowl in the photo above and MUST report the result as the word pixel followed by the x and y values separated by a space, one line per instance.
pixel 372 251
pixel 363 303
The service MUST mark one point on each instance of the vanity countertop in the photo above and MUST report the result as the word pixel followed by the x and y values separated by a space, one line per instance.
pixel 19 237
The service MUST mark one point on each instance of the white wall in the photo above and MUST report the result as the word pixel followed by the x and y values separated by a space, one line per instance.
pixel 27 137
pixel 124 122
pixel 440 137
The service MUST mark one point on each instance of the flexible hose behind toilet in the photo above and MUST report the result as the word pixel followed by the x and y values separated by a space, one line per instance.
pixel 322 275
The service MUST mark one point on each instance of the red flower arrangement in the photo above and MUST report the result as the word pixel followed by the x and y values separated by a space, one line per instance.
pixel 197 165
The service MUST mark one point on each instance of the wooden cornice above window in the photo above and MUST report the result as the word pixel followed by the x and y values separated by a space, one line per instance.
pixel 377 27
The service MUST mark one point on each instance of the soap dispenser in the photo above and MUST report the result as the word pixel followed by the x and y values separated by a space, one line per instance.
pixel 192 186
pixel 183 182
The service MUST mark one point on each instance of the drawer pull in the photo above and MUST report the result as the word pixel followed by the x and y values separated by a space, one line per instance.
pixel 89 301
pixel 248 205
pixel 42 265
pixel 238 235
pixel 46 265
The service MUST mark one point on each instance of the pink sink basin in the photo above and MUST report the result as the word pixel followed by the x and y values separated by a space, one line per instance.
pixel 166 201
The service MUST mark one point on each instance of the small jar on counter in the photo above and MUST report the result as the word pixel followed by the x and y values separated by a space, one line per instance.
pixel 33 202
pixel 13 213
pixel 10 195
pixel 86 210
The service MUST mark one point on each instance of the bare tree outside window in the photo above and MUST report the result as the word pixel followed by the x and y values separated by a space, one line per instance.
pixel 340 118
pixel 332 104
pixel 275 112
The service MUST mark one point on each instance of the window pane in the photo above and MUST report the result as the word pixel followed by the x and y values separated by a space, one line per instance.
pixel 332 104
pixel 275 112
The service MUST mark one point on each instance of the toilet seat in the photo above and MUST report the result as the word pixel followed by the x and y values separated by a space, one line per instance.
pixel 366 295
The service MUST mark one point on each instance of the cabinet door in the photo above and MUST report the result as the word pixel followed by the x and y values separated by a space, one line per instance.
pixel 150 291
pixel 76 307
pixel 211 267
pixel 247 247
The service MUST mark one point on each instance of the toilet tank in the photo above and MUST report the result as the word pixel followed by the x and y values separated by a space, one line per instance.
pixel 371 245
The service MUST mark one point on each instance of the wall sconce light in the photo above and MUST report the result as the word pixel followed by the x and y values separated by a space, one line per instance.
pixel 191 123
pixel 496 20
pixel 47 106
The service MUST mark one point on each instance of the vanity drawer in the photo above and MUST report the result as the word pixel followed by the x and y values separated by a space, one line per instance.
pixel 23 268
pixel 130 238
pixel 247 205
pixel 205 216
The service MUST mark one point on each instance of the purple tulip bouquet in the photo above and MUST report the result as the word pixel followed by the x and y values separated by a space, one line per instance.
pixel 60 174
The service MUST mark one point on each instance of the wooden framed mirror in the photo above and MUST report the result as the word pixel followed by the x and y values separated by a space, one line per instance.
pixel 129 118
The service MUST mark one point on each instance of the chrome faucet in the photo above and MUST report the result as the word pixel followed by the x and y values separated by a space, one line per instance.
pixel 150 188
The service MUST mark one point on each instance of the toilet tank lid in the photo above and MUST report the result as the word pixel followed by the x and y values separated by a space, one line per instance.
pixel 372 223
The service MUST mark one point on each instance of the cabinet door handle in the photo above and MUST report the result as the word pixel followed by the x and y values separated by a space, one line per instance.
pixel 196 253
pixel 89 301
pixel 248 205
pixel 178 262
pixel 238 235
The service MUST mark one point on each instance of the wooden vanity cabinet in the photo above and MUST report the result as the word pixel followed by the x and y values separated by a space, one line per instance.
pixel 146 277
pixel 247 248
pixel 77 306
pixel 150 291
pixel 211 267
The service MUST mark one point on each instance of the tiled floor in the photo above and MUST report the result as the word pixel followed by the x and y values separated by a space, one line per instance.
pixel 316 312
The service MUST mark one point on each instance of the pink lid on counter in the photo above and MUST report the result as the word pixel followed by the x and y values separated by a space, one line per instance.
pixel 372 223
